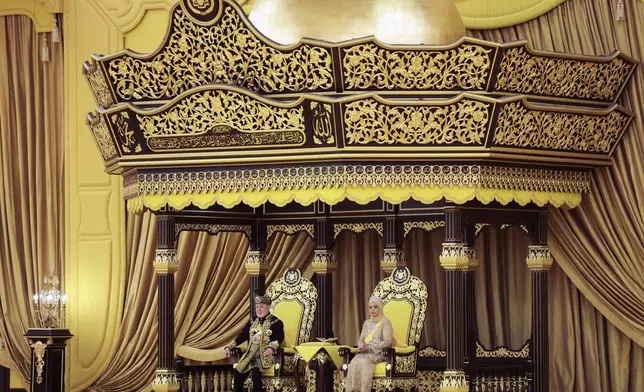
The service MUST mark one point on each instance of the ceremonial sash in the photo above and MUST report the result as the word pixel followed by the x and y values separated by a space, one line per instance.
pixel 369 336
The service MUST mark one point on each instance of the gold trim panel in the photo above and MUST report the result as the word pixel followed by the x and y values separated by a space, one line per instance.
pixel 290 229
pixel 323 176
pixel 503 352
pixel 221 45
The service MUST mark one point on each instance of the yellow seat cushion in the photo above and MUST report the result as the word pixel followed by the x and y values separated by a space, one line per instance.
pixel 290 312
pixel 404 350
pixel 380 370
pixel 270 372
pixel 399 312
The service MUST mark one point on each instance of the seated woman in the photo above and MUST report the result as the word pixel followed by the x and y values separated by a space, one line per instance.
pixel 376 335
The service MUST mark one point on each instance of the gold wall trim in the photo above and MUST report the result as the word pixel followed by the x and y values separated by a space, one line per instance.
pixel 41 12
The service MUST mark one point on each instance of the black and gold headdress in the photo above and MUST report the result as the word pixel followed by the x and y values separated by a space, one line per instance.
pixel 262 298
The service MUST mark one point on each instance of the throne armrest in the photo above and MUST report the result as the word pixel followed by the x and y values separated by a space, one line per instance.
pixel 236 353
pixel 348 351
pixel 404 350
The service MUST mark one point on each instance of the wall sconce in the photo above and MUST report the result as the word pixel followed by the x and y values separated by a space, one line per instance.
pixel 50 305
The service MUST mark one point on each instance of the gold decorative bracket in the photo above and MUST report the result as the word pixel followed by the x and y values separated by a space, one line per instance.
pixel 427 226
pixel 391 259
pixel 357 227
pixel 166 261
pixel 39 351
pixel 458 256
pixel 454 381
pixel 324 261
pixel 539 258
pixel 289 229
pixel 256 262
pixel 165 380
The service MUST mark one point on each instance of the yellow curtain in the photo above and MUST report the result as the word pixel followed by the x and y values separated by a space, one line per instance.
pixel 422 251
pixel 214 301
pixel 211 294
pixel 358 257
pixel 133 356
pixel 31 179
pixel 503 292
pixel 599 244
pixel 587 352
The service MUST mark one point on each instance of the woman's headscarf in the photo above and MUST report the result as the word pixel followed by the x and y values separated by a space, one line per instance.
pixel 376 300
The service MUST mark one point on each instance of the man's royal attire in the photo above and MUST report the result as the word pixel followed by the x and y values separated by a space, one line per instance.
pixel 261 334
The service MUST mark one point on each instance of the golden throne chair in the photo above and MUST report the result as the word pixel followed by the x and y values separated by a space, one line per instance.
pixel 404 300
pixel 294 300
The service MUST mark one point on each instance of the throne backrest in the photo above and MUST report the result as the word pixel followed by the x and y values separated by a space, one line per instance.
pixel 294 299
pixel 404 300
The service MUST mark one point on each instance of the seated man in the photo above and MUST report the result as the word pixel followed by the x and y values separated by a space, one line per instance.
pixel 264 335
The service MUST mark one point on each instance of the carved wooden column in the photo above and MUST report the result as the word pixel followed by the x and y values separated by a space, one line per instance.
pixel 539 262
pixel 470 298
pixel 256 261
pixel 393 233
pixel 323 265
pixel 165 265
pixel 456 257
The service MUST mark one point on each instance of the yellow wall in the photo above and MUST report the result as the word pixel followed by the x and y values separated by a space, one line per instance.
pixel 95 221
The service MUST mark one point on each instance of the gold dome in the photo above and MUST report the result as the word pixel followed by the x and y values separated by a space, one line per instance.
pixel 391 21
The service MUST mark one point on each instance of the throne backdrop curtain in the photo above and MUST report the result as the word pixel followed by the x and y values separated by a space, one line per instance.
pixel 31 179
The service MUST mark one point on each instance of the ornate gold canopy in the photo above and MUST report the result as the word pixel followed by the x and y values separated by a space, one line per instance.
pixel 221 114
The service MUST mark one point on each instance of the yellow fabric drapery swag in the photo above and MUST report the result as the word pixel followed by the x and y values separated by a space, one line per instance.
pixel 599 244
pixel 31 180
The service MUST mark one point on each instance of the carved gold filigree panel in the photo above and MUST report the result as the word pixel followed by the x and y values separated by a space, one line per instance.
pixel 502 352
pixel 523 72
pixel 519 126
pixel 224 52
pixel 289 229
pixel 369 121
pixel 405 363
pixel 124 133
pixel 368 66
pixel 314 177
pixel 357 227
pixel 212 228
pixel 323 128
pixel 429 381
pixel 426 225
pixel 98 86
pixel 222 118
pixel 103 138
pixel 430 351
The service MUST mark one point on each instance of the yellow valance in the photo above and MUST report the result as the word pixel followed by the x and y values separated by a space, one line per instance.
pixel 361 195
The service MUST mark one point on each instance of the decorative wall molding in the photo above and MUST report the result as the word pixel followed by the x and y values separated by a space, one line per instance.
pixel 40 11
